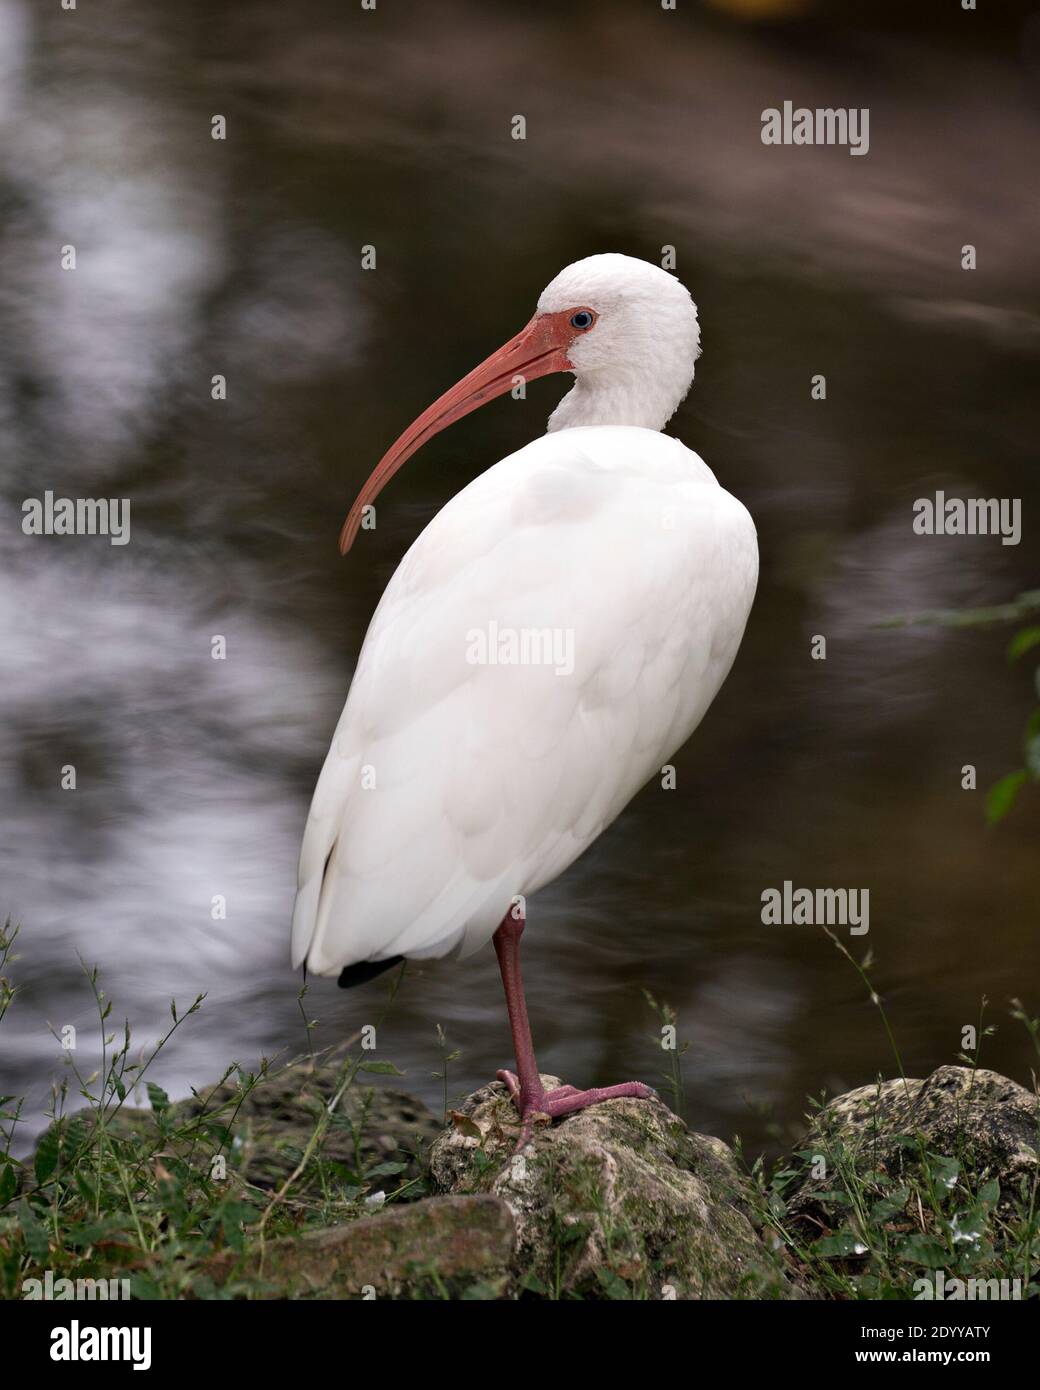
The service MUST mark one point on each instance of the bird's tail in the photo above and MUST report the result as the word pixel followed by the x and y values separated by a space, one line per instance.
pixel 364 970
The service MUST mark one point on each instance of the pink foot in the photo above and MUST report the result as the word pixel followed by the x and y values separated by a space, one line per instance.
pixel 564 1100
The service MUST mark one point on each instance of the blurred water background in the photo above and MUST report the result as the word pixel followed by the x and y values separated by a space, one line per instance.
pixel 243 257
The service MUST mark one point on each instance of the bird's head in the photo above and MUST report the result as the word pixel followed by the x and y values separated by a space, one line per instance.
pixel 627 330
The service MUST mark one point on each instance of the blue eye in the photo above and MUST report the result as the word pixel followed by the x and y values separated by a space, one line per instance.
pixel 582 319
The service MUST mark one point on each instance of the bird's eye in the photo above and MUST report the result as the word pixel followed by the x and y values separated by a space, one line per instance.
pixel 583 319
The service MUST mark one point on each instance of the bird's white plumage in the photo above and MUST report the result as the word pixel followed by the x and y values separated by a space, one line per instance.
pixel 453 785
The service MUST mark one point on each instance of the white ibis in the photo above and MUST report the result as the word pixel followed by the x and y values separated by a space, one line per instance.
pixel 556 632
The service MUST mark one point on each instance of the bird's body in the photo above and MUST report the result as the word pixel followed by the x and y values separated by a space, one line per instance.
pixel 490 765
pixel 550 640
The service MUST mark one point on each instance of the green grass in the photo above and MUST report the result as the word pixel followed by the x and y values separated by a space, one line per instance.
pixel 158 1196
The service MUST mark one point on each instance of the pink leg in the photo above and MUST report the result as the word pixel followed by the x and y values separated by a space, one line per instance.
pixel 525 1088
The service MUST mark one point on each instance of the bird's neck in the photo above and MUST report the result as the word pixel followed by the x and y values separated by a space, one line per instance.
pixel 602 398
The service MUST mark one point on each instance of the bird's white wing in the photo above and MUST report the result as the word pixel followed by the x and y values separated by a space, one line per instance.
pixel 556 632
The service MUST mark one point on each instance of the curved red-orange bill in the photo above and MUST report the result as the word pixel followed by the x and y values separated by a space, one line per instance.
pixel 537 350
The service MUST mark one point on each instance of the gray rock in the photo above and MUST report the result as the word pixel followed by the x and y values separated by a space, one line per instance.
pixel 617 1201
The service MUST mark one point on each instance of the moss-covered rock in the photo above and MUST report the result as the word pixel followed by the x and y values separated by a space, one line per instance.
pixel 372 1125
pixel 620 1200
pixel 456 1247
pixel 264 1127
pixel 987 1124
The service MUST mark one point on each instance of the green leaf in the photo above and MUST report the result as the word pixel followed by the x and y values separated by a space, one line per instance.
pixel 484 1291
pixel 840 1246
pixel 35 1234
pixel 343 1171
pixel 1001 797
pixel 160 1101
pixel 78 1134
pixel 232 1219
pixel 923 1250
pixel 381 1068
pixel 969 1226
pixel 989 1193
pixel 533 1284
pixel 107 1228
pixel 612 1284
pixel 907 1141
pixel 47 1152
pixel 84 1186
pixel 385 1170
pixel 1023 641
pixel 944 1170
pixel 8 1184
pixel 889 1206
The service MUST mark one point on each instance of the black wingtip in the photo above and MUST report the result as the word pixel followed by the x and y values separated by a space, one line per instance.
pixel 365 970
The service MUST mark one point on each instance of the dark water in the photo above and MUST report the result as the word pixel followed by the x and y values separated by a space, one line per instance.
pixel 243 258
